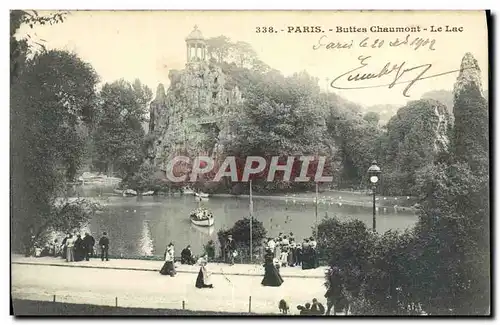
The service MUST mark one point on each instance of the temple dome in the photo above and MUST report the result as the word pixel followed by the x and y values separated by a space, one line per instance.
pixel 195 35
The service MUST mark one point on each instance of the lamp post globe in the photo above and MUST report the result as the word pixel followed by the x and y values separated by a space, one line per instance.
pixel 374 170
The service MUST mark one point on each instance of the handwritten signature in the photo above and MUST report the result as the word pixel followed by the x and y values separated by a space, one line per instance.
pixel 398 70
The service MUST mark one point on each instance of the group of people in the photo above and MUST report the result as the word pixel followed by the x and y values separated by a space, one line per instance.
pixel 75 248
pixel 288 252
pixel 202 281
pixel 314 308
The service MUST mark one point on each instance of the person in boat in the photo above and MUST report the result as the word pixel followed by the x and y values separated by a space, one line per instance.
pixel 230 249
pixel 272 277
pixel 168 267
pixel 203 280
pixel 187 256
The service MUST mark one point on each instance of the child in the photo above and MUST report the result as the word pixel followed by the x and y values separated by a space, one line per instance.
pixel 284 257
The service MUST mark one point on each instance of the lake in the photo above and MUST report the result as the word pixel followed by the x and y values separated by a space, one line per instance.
pixel 144 226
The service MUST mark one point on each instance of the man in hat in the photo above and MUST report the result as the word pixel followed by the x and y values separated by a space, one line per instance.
pixel 89 242
pixel 230 249
pixel 104 244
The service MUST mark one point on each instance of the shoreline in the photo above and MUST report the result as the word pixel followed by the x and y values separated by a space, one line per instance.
pixel 311 200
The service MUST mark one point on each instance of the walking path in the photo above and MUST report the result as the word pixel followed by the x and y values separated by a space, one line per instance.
pixel 146 265
pixel 130 283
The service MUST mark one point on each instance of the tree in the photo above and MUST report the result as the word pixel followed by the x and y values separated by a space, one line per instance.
pixel 443 96
pixel 453 241
pixel 356 140
pixel 470 110
pixel 372 117
pixel 52 97
pixel 390 281
pixel 452 234
pixel 346 245
pixel 416 137
pixel 19 49
pixel 218 48
pixel 145 179
pixel 243 54
pixel 279 118
pixel 241 235
pixel 119 137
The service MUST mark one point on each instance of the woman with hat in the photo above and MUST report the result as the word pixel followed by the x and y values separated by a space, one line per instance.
pixel 203 280
pixel 272 277
pixel 168 268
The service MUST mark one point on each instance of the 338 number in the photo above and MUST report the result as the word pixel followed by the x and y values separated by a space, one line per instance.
pixel 264 30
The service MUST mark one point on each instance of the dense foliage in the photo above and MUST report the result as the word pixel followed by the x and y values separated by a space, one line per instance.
pixel 119 138
pixel 442 265
pixel 53 99
pixel 416 137
pixel 241 235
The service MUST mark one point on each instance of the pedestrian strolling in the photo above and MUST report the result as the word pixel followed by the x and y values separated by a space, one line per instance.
pixel 70 245
pixel 230 250
pixel 104 244
pixel 168 267
pixel 89 243
pixel 272 277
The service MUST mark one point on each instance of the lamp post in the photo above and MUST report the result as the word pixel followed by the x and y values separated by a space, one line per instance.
pixel 374 172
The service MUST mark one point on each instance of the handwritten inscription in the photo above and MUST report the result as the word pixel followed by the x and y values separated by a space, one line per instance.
pixel 414 43
pixel 395 71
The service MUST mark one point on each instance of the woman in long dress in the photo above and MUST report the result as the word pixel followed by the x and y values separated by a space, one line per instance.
pixel 272 277
pixel 203 280
pixel 168 268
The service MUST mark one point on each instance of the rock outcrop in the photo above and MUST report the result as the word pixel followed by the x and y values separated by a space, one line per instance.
pixel 191 118
pixel 469 74
pixel 418 132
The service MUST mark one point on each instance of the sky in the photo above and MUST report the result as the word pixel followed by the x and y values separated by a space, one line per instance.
pixel 147 44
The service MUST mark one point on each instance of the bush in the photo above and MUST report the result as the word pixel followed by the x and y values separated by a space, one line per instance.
pixel 347 245
pixel 241 236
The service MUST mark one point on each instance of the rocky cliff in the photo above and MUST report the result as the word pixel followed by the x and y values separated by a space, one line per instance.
pixel 191 117
pixel 416 136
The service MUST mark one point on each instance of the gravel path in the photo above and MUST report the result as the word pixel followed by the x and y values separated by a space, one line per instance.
pixel 135 288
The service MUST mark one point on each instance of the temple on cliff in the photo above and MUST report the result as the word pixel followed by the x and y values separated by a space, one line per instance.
pixel 192 117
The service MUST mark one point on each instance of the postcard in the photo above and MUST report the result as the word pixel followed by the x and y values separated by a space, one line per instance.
pixel 250 163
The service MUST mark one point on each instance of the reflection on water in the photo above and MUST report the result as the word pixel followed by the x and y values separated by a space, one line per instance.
pixel 146 243
pixel 144 226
